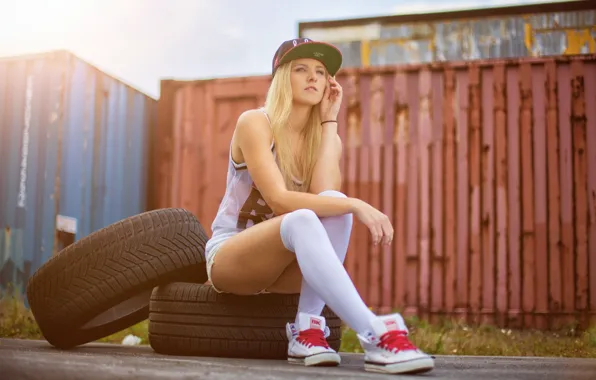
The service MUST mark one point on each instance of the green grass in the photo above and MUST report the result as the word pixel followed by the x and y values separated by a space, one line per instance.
pixel 16 321
pixel 458 339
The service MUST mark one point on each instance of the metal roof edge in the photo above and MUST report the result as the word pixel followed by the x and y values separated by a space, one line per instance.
pixel 555 6
pixel 71 54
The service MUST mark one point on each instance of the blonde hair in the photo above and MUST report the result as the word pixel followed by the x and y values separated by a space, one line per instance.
pixel 278 106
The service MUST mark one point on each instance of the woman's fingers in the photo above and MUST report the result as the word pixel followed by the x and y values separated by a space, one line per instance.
pixel 387 232
pixel 381 230
pixel 375 233
pixel 378 223
pixel 335 86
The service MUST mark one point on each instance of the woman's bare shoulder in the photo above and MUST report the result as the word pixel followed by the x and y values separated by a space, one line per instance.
pixel 253 123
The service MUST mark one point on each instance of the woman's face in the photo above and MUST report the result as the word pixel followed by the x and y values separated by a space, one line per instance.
pixel 309 78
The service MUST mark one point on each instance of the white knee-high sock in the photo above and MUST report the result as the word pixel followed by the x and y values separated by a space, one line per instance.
pixel 338 230
pixel 303 233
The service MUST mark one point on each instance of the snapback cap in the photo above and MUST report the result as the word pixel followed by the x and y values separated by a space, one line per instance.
pixel 327 54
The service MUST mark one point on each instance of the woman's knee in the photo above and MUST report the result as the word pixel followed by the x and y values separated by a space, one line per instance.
pixel 296 222
pixel 301 217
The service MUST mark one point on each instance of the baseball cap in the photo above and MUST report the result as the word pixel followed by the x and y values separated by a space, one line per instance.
pixel 327 54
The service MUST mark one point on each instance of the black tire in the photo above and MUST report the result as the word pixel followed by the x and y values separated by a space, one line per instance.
pixel 102 283
pixel 193 319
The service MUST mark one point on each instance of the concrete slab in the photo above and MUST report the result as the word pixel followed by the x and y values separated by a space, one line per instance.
pixel 34 359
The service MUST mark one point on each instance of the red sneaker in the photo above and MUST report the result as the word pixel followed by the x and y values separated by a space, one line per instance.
pixel 389 350
pixel 308 344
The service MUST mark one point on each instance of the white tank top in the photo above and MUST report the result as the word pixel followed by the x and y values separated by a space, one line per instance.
pixel 242 205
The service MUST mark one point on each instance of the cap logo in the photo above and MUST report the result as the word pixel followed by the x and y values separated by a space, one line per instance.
pixel 315 323
pixel 391 325
pixel 318 54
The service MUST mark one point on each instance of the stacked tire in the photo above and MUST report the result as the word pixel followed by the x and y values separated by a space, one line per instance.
pixel 152 266
pixel 194 319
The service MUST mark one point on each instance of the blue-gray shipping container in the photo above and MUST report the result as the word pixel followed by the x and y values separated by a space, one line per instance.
pixel 73 157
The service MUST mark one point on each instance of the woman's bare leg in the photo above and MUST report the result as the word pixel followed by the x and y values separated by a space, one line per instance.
pixel 290 281
pixel 300 236
pixel 252 260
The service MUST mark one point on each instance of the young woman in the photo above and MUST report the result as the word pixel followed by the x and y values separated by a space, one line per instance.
pixel 284 227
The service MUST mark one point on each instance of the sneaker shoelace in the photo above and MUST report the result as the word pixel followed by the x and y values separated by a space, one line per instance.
pixel 396 341
pixel 312 337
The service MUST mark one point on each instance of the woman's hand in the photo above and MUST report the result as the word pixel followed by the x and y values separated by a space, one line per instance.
pixel 331 102
pixel 377 222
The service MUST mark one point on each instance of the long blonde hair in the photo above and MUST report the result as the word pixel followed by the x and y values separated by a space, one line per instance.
pixel 278 105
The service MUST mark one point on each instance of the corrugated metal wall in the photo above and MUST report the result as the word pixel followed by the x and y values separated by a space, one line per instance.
pixel 487 171
pixel 385 42
pixel 73 142
pixel 195 124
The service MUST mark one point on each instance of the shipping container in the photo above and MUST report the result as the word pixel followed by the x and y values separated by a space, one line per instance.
pixel 73 156
pixel 537 30
pixel 195 124
pixel 487 171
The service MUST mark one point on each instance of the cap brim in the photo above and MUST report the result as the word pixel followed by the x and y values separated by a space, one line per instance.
pixel 327 54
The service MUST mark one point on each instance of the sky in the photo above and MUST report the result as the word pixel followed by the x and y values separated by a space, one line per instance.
pixel 144 41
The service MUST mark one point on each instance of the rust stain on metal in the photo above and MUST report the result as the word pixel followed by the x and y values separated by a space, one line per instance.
pixel 437 169
pixel 413 216
pixel 352 92
pixel 363 239
pixel 351 116
pixel 402 117
pixel 376 107
pixel 487 173
pixel 450 206
pixel 463 197
pixel 540 197
pixel 364 242
pixel 424 145
pixel 377 111
pixel 514 192
pixel 527 185
pixel 474 187
pixel 554 208
pixel 580 174
pixel 501 215
pixel 401 112
pixel 388 189
pixel 179 114
pixel 566 186
pixel 590 98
